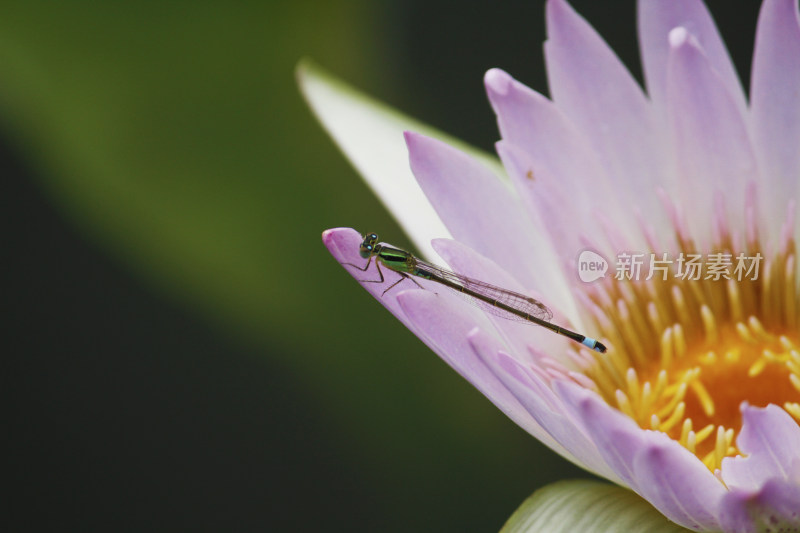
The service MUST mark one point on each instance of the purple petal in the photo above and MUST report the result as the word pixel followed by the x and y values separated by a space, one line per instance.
pixel 568 224
pixel 775 100
pixel 709 134
pixel 656 19
pixel 600 97
pixel 770 444
pixel 549 411
pixel 536 135
pixel 485 348
pixel 655 466
pixel 616 436
pixel 518 335
pixel 677 483
pixel 533 123
pixel 445 323
pixel 480 211
pixel 776 507
pixel 343 244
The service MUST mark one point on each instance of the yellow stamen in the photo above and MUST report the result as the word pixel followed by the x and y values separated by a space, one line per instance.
pixel 709 325
pixel 680 341
pixel 795 381
pixel 624 404
pixel 734 300
pixel 793 409
pixel 704 433
pixel 691 442
pixel 704 397
pixel 686 428
pixel 757 367
pixel 666 348
pixel 674 418
pixel 685 354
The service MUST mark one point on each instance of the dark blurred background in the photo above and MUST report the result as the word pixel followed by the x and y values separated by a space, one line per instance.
pixel 181 352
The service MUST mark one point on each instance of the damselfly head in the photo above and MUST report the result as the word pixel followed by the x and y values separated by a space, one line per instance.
pixel 367 247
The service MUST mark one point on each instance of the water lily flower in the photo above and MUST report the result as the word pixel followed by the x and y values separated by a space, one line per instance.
pixel 696 404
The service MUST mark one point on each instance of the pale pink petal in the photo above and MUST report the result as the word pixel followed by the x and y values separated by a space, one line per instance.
pixel 537 127
pixel 770 444
pixel 652 464
pixel 343 244
pixel 580 165
pixel 568 229
pixel 593 88
pixel 617 436
pixel 482 212
pixel 775 101
pixel 677 483
pixel 709 135
pixel 486 348
pixel 656 19
pixel 445 323
pixel 439 318
pixel 518 335
pixel 775 507
pixel 548 410
pixel 536 135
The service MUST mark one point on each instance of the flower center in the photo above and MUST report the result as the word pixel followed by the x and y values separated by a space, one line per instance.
pixel 685 351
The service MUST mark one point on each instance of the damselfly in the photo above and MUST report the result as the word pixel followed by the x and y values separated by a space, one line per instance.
pixel 501 302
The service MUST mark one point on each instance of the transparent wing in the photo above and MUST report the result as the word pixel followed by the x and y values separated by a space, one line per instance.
pixel 519 302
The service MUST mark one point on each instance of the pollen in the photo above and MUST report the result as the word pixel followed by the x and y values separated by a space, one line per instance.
pixel 685 351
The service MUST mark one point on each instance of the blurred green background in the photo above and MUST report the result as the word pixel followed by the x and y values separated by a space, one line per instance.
pixel 183 353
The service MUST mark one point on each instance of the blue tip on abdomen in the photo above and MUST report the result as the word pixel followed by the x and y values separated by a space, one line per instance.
pixel 593 344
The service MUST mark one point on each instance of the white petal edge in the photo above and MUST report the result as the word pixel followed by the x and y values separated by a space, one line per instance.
pixel 588 507
pixel 370 134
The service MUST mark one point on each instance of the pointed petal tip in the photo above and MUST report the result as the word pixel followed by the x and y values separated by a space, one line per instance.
pixel 561 19
pixel 788 9
pixel 415 140
pixel 497 81
pixel 415 144
pixel 681 39
pixel 303 66
pixel 555 7
pixel 474 335
pixel 678 37
pixel 337 240
pixel 307 72
pixel 409 298
pixel 580 395
pixel 411 136
pixel 329 234
pixel 301 70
